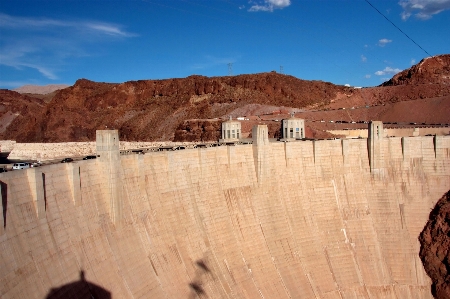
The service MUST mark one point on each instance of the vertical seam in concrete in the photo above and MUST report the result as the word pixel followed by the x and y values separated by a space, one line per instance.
pixel 314 151
pixel 285 154
pixel 435 146
pixel 327 257
pixel 295 243
pixel 3 206
pixel 157 197
pixel 404 148
pixel 237 240
pixel 200 224
pixel 273 262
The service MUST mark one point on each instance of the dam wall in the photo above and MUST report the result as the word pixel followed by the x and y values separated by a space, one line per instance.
pixel 307 219
pixel 394 132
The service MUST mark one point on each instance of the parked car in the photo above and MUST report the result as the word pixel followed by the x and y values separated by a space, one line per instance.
pixel 22 165
pixel 66 160
pixel 3 169
pixel 89 157
pixel 36 164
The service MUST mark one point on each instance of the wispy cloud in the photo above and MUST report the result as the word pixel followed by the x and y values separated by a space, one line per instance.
pixel 388 71
pixel 423 9
pixel 268 5
pixel 108 29
pixel 31 23
pixel 384 41
pixel 363 58
pixel 367 76
pixel 22 55
pixel 46 45
pixel 413 61
pixel 34 24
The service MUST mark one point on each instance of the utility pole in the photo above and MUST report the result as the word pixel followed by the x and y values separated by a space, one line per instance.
pixel 230 69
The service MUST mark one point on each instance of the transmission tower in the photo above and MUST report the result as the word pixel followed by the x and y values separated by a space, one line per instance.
pixel 230 69
pixel 281 69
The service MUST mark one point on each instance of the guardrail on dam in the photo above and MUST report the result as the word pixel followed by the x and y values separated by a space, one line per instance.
pixel 306 219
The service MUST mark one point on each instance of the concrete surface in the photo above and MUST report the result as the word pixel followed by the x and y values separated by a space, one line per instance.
pixel 394 132
pixel 306 219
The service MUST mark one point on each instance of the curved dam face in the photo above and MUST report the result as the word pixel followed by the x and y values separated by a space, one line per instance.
pixel 309 219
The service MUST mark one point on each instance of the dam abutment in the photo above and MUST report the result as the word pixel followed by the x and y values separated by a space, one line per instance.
pixel 304 219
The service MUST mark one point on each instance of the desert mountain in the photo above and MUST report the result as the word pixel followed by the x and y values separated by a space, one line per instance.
pixel 191 108
pixel 37 89
pixel 431 70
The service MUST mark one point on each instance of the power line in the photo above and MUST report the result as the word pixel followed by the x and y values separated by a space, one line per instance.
pixel 398 28
pixel 270 23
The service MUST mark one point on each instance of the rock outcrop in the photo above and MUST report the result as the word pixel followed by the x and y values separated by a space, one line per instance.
pixel 435 248
pixel 430 70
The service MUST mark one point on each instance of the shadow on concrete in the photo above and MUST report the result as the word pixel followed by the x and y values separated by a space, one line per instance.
pixel 45 191
pixel 81 289
pixel 198 289
pixel 196 285
pixel 4 195
pixel 202 265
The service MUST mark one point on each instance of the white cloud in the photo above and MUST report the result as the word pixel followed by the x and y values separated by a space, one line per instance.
pixel 367 76
pixel 7 21
pixel 108 29
pixel 413 61
pixel 388 71
pixel 268 5
pixel 24 54
pixel 363 58
pixel 47 45
pixel 35 23
pixel 423 9
pixel 384 41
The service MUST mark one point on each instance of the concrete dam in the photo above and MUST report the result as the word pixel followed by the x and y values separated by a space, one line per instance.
pixel 307 219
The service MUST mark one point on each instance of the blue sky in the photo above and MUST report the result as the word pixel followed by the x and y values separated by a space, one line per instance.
pixel 343 42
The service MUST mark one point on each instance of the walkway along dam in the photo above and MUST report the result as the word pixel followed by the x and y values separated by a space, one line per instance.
pixel 305 219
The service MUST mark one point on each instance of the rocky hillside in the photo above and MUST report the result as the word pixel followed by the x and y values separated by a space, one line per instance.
pixel 153 110
pixel 431 70
pixel 20 114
